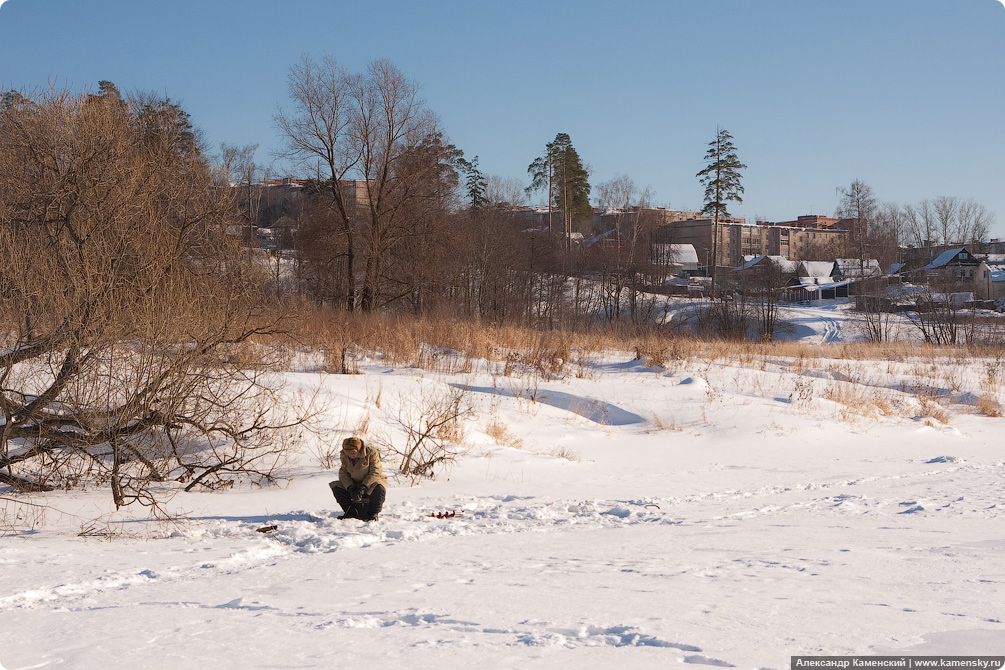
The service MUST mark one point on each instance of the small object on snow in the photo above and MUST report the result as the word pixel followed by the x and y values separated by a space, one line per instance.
pixel 652 505
pixel 266 529
pixel 443 515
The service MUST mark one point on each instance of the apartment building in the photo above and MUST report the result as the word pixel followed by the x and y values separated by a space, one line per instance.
pixel 737 238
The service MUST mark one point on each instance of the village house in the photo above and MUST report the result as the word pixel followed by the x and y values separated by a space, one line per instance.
pixel 953 266
pixel 989 279
pixel 816 281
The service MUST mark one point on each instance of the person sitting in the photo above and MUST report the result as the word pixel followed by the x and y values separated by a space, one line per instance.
pixel 361 486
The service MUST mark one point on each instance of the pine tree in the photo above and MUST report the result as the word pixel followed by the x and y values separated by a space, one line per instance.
pixel 567 179
pixel 721 178
pixel 475 184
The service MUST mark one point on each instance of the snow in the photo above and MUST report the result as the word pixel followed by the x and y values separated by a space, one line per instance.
pixel 944 258
pixel 727 513
pixel 818 269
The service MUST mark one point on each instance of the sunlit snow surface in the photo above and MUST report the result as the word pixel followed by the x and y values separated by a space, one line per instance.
pixel 712 513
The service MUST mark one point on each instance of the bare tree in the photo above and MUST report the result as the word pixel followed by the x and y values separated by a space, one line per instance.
pixel 948 220
pixel 945 218
pixel 617 196
pixel 128 312
pixel 362 127
pixel 945 313
pixel 322 130
pixel 858 204
pixel 762 289
pixel 889 232
pixel 921 224
pixel 974 221
pixel 505 191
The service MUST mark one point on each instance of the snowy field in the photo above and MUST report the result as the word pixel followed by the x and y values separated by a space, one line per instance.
pixel 710 513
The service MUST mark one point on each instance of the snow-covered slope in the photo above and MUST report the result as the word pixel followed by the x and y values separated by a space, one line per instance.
pixel 723 513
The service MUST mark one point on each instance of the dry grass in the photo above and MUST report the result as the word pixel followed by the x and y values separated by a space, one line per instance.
pixel 460 345
pixel 860 401
pixel 500 434
pixel 451 345
pixel 930 407
pixel 566 453
pixel 988 405
pixel 661 423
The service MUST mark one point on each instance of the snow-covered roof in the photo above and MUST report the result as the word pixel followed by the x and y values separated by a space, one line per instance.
pixel 680 253
pixel 995 264
pixel 813 284
pixel 818 268
pixel 858 267
pixel 781 261
pixel 944 258
pixel 598 237
pixel 997 272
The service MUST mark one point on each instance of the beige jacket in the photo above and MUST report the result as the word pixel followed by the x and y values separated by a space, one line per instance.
pixel 365 470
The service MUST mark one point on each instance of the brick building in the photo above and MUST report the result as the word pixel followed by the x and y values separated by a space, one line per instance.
pixel 737 238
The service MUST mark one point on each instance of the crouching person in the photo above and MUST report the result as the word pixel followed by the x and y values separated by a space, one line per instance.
pixel 361 486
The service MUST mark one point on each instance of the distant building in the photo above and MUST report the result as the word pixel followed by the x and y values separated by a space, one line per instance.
pixel 951 266
pixel 858 268
pixel 989 278
pixel 679 258
pixel 737 238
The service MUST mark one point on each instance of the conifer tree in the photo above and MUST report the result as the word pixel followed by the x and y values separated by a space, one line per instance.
pixel 475 184
pixel 721 177
pixel 567 179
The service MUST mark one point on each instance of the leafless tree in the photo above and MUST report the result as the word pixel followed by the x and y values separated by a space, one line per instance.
pixel 128 312
pixel 321 130
pixel 945 313
pixel 507 191
pixel 390 120
pixel 921 223
pixel 858 204
pixel 363 127
pixel 945 218
pixel 974 221
pixel 762 289
pixel 617 196
pixel 889 232
pixel 872 301
pixel 948 220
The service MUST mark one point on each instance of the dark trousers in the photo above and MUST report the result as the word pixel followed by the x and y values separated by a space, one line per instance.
pixel 366 509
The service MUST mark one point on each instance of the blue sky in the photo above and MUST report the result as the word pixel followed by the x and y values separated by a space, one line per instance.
pixel 906 95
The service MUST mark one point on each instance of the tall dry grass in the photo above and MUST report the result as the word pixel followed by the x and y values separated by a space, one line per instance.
pixel 934 376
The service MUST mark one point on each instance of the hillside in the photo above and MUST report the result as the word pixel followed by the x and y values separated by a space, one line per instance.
pixel 724 510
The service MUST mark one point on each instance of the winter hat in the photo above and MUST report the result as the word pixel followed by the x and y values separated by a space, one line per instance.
pixel 352 443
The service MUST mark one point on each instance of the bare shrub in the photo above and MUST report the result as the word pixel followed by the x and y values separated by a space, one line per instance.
pixel 727 319
pixel 20 515
pixel 931 408
pixel 988 405
pixel 802 392
pixel 130 319
pixel 859 401
pixel 434 432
